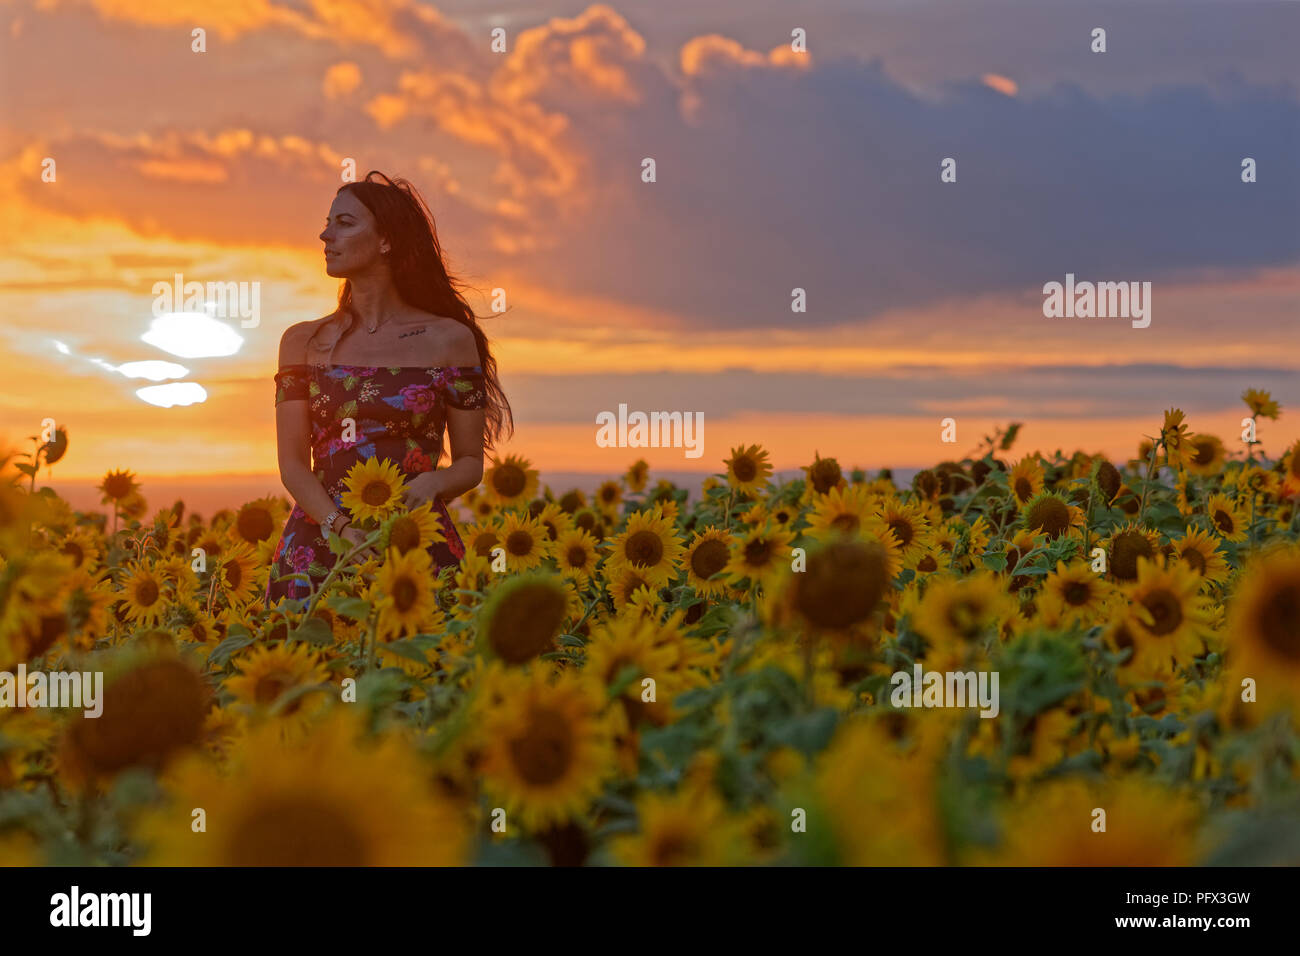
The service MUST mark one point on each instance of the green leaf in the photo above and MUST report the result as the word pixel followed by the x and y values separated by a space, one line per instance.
pixel 355 608
pixel 408 649
pixel 28 470
pixel 233 642
pixel 313 630
pixel 995 560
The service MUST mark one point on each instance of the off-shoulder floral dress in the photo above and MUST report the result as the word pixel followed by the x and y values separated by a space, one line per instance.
pixel 400 414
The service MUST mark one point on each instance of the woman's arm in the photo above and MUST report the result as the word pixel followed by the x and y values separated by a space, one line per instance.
pixel 293 436
pixel 465 436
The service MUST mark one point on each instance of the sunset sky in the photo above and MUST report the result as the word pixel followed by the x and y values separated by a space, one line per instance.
pixel 776 170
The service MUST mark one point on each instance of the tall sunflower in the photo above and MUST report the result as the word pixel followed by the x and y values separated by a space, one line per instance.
pixel 1051 514
pixel 1198 549
pixel 1205 455
pixel 117 486
pixel 1263 629
pixel 547 749
pixel 1169 621
pixel 958 614
pixel 706 559
pixel 1075 592
pixel 144 596
pixel 525 541
pixel 1125 546
pixel 575 553
pixel 405 593
pixel 760 556
pixel 373 489
pixel 910 527
pixel 523 617
pixel 510 481
pixel 416 529
pixel 748 469
pixel 266 674
pixel 331 798
pixel 1026 479
pixel 1261 403
pixel 649 546
pixel 1226 517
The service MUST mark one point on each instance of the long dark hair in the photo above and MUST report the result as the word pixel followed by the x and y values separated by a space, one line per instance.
pixel 421 279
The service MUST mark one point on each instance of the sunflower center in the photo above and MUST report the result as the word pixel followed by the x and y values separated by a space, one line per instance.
pixel 758 552
pixel 519 543
pixel 297 831
pixel 74 550
pixel 842 584
pixel 709 558
pixel 1223 521
pixel 1166 612
pixel 525 622
pixel 376 493
pixel 269 687
pixel 1024 490
pixel 576 557
pixel 405 592
pixel 509 481
pixel 847 522
pixel 1050 515
pixel 146 593
pixel 644 549
pixel 902 529
pixel 964 616
pixel 927 564
pixel 825 475
pixel 744 468
pixel 1128 547
pixel 234 573
pixel 1195 559
pixel 404 534
pixel 544 752
pixel 255 524
pixel 673 849
pixel 484 543
pixel 1277 616
pixel 1204 453
pixel 1076 593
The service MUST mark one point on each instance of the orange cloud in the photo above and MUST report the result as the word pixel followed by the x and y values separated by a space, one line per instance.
pixel 1000 83
pixel 340 80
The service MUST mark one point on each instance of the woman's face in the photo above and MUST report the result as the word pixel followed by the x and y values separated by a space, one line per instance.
pixel 352 244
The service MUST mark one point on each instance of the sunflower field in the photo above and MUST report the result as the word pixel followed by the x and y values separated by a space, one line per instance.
pixel 657 675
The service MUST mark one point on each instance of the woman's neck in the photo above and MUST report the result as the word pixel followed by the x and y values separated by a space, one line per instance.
pixel 374 301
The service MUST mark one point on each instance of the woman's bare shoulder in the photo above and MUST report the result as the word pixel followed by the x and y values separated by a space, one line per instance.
pixel 294 340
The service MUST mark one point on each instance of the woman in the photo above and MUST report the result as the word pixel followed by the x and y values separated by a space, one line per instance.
pixel 399 362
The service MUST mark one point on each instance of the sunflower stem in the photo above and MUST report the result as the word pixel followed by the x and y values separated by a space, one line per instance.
pixel 1156 444
pixel 372 643
pixel 338 566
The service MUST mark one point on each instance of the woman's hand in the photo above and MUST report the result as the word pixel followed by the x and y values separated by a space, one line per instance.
pixel 426 486
pixel 354 536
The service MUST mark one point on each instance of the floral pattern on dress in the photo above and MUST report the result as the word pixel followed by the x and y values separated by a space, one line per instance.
pixel 399 413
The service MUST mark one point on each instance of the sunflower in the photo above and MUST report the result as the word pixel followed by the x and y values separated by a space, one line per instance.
pixel 841 585
pixel 637 475
pixel 1051 514
pixel 842 509
pixel 1226 518
pixel 689 828
pixel 1125 546
pixel 1168 621
pixel 706 558
pixel 117 486
pixel 524 540
pixel 624 583
pixel 759 556
pixel 259 520
pixel 404 592
pixel 1026 479
pixel 958 613
pixel 1173 432
pixel 554 520
pixel 523 617
pixel 482 536
pixel 510 481
pixel 1205 455
pixel 1199 550
pixel 629 642
pixel 609 496
pixel 143 594
pixel 910 527
pixel 81 546
pixel 1263 631
pixel 1291 471
pixel 575 553
pixel 331 798
pixel 414 530
pixel 1074 592
pixel 1146 825
pixel 270 674
pixel 152 710
pixel 823 475
pixel 547 750
pixel 649 546
pixel 373 490
pixel 239 573
pixel 1260 403
pixel 748 469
